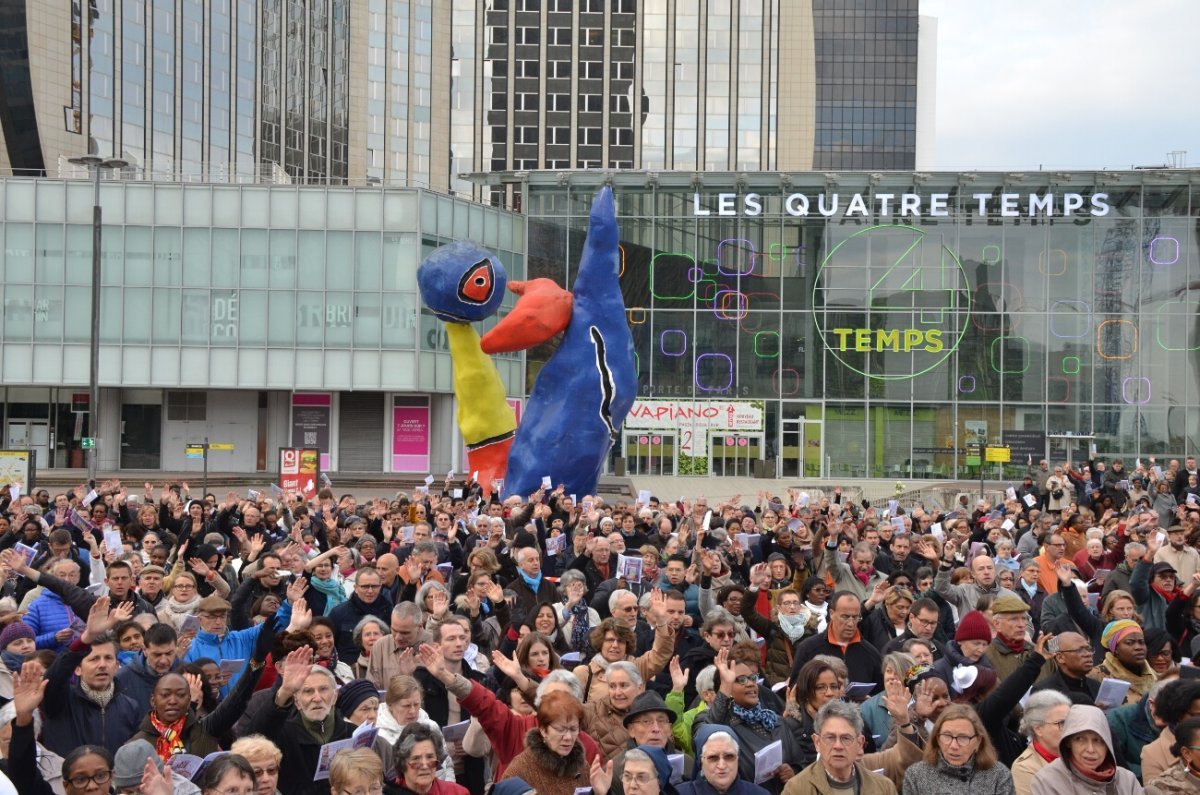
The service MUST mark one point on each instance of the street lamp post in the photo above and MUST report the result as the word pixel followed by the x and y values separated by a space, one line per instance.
pixel 95 165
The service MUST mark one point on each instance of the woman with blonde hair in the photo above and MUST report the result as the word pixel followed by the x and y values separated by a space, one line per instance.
pixel 355 770
pixel 959 757
pixel 400 709
pixel 264 757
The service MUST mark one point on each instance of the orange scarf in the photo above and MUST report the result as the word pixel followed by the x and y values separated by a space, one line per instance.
pixel 170 739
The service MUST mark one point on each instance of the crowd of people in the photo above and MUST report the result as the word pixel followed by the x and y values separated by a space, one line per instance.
pixel 448 642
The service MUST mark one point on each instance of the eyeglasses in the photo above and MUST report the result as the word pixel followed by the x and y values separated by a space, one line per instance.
pixel 1088 650
pixel 639 778
pixel 839 739
pixel 1162 652
pixel 563 731
pixel 728 758
pixel 100 778
pixel 745 679
pixel 956 739
pixel 1058 724
pixel 722 635
pixel 652 720
pixel 266 771
pixel 925 622
pixel 367 587
pixel 374 789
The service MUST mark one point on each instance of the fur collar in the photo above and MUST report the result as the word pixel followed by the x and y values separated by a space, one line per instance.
pixel 554 764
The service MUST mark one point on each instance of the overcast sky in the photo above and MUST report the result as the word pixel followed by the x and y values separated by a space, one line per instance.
pixel 1066 83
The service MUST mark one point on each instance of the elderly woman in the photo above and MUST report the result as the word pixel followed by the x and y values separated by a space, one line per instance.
pixel 1042 723
pixel 888 621
pixel 755 726
pixel 358 701
pixel 182 601
pixel 355 770
pixel 400 709
pixel 575 617
pixel 366 633
pixel 958 758
pixel 484 604
pixel 717 767
pixel 264 758
pixel 1086 762
pixel 876 718
pixel 603 718
pixel 553 762
pixel 616 642
pixel 434 600
pixel 419 754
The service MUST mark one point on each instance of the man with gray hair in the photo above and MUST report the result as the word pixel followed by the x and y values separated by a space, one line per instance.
pixel 838 737
pixel 397 653
pixel 1118 578
pixel 301 718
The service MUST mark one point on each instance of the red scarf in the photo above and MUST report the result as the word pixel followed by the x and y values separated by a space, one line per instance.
pixel 602 568
pixel 865 576
pixel 1169 596
pixel 1043 753
pixel 1015 646
pixel 169 741
pixel 1105 774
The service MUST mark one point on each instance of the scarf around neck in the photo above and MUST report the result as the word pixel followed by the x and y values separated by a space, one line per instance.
pixel 1106 773
pixel 179 609
pixel 1043 752
pixel 533 582
pixel 334 593
pixel 99 697
pixel 170 740
pixel 758 717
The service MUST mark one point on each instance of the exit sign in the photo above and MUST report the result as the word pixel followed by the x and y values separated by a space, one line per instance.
pixel 88 442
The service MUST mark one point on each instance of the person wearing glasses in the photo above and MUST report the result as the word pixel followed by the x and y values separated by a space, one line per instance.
pixel 1185 776
pixel 365 601
pixel 356 771
pixel 755 726
pixel 959 757
pixel 838 737
pixel 843 640
pixel 1073 656
pixel 1045 713
pixel 717 765
pixel 1086 761
pixel 554 761
pixel 264 757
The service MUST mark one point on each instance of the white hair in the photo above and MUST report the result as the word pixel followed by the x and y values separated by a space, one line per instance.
pixel 616 596
pixel 563 677
pixel 629 669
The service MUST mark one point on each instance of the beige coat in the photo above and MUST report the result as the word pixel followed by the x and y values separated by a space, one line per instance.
pixel 1176 781
pixel 593 676
pixel 814 779
pixel 1157 757
pixel 1024 768
pixel 1058 777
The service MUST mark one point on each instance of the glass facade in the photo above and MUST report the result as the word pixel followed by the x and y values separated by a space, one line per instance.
pixel 234 287
pixel 866 84
pixel 1009 308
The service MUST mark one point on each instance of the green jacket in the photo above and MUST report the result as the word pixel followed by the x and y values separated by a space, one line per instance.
pixel 681 732
pixel 1132 730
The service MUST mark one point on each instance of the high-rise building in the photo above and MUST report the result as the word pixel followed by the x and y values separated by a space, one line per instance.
pixel 418 92
pixel 708 85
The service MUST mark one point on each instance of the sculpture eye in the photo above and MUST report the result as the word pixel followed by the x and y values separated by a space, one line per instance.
pixel 478 283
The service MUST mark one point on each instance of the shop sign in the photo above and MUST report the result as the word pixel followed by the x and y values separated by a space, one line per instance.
pixel 694 419
pixel 410 439
pixel 906 205
pixel 310 423
pixel 299 470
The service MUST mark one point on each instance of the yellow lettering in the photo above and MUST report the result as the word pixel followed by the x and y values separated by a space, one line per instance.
pixel 933 341
pixel 842 334
pixel 912 338
pixel 862 339
pixel 886 339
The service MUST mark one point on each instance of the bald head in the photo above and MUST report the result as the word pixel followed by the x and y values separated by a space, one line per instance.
pixel 387 566
pixel 1072 654
pixel 984 571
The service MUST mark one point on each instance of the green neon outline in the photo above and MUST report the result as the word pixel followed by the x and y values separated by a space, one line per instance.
pixel 1078 365
pixel 658 297
pixel 992 354
pixel 984 255
pixel 777 345
pixel 1158 324
pixel 950 349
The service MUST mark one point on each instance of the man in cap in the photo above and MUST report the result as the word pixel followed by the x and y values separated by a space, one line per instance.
pixel 216 642
pixel 648 722
pixel 1009 647
pixel 1126 659
pixel 1183 557
pixel 1153 586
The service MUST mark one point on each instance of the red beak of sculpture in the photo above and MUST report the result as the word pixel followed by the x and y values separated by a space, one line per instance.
pixel 543 310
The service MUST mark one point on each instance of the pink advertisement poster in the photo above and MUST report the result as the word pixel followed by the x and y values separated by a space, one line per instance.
pixel 410 439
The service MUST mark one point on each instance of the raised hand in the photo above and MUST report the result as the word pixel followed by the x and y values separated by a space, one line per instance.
pixel 1040 648
pixel 413 568
pixel 760 577
pixel 600 775
pixel 298 665
pixel 575 593
pixel 97 620
pixel 679 675
pixel 431 660
pixel 200 567
pixel 725 669
pixel 121 613
pixel 896 698
pixel 440 603
pixel 507 665
pixel 195 687
pixel 406 662
pixel 29 687
pixel 296 589
pixel 301 616
pixel 154 782
pixel 657 611
pixel 495 593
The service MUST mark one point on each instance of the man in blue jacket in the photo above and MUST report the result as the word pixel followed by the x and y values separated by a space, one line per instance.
pixel 92 709
pixel 157 659
pixel 214 641
pixel 53 622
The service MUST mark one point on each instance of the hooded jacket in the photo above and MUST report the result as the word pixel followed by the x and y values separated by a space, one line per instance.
pixel 389 732
pixel 137 681
pixel 698 785
pixel 1060 776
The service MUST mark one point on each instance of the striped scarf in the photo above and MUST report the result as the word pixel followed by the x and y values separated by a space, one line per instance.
pixel 170 737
